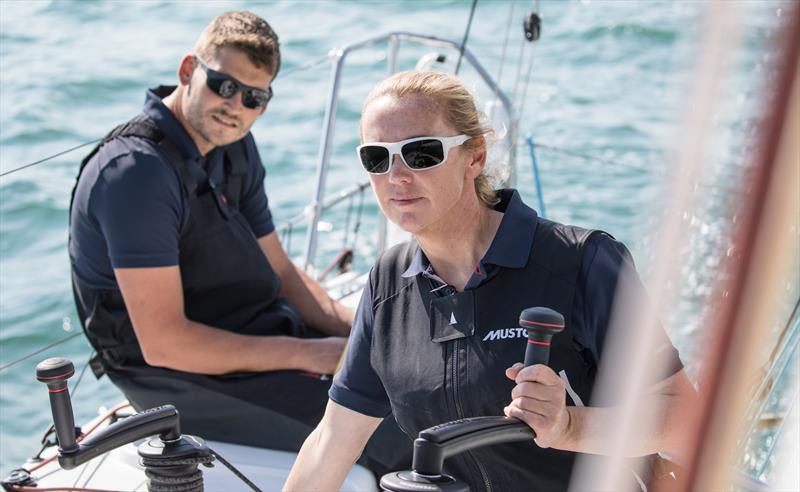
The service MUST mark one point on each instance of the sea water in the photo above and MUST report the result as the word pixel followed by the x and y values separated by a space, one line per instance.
pixel 602 93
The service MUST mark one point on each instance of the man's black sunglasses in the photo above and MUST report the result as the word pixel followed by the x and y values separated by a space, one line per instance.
pixel 226 87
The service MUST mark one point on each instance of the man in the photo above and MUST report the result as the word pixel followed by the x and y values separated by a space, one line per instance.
pixel 180 280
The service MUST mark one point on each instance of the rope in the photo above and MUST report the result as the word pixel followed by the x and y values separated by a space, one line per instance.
pixel 111 413
pixel 50 157
pixel 22 488
pixel 80 376
pixel 466 35
pixel 26 357
pixel 235 471
pixel 357 225
pixel 347 221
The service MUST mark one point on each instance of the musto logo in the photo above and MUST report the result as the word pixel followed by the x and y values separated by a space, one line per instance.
pixel 503 333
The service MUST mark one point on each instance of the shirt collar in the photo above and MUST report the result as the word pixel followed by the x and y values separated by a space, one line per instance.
pixel 512 243
pixel 167 122
pixel 418 264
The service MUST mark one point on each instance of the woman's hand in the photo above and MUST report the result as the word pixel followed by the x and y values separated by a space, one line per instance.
pixel 539 400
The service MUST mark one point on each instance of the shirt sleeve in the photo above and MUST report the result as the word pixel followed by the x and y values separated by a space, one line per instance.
pixel 357 385
pixel 608 270
pixel 254 204
pixel 139 208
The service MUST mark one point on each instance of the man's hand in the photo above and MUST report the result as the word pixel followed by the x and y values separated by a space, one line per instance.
pixel 539 400
pixel 315 306
pixel 322 354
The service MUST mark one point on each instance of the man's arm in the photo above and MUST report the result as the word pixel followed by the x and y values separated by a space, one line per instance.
pixel 154 300
pixel 538 399
pixel 331 450
pixel 315 306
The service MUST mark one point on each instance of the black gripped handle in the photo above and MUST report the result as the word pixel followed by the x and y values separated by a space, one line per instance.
pixel 163 421
pixel 55 372
pixel 541 324
pixel 436 444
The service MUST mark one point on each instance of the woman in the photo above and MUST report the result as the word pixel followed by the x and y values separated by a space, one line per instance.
pixel 431 341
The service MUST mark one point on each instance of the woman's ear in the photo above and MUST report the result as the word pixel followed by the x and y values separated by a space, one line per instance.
pixel 186 68
pixel 478 162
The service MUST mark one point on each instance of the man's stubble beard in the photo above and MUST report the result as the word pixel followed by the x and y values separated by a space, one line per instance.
pixel 199 120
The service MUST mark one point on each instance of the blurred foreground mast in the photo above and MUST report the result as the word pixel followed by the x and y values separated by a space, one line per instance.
pixel 757 274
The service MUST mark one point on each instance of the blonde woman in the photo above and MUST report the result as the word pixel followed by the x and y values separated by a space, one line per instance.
pixel 434 338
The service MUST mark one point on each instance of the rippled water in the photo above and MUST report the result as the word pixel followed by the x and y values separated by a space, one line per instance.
pixel 609 80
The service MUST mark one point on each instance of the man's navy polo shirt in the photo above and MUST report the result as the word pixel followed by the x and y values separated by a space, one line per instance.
pixel 129 207
pixel 358 387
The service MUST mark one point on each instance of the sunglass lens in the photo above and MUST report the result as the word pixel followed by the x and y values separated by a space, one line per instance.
pixel 227 88
pixel 423 154
pixel 374 159
pixel 250 100
pixel 255 99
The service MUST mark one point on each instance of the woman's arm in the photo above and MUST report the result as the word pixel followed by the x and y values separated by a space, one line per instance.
pixel 539 401
pixel 331 450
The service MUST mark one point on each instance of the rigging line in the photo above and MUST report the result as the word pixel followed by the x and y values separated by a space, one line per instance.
pixel 778 434
pixel 25 488
pixel 80 438
pixel 288 72
pixel 505 47
pixel 522 46
pixel 528 75
pixel 525 86
pixel 762 393
pixel 80 376
pixel 347 221
pixel 713 186
pixel 39 351
pixel 235 471
pixel 50 157
pixel 466 34
pixel 589 157
pixel 305 66
pixel 786 327
pixel 357 224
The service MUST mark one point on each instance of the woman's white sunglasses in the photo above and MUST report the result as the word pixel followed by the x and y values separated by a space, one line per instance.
pixel 418 154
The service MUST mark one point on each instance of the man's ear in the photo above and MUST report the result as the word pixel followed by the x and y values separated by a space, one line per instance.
pixel 186 68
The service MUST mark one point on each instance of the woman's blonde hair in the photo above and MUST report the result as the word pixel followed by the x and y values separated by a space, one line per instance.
pixel 453 102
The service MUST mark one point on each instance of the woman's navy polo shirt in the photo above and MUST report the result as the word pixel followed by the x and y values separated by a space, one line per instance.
pixel 357 385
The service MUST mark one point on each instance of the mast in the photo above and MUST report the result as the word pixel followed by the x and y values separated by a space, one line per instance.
pixel 750 297
pixel 744 309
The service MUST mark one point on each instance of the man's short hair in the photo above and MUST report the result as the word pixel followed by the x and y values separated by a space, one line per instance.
pixel 246 32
